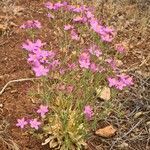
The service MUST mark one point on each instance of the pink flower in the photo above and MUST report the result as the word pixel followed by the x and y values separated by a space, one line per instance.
pixel 112 82
pixel 21 123
pixel 68 27
pixel 69 88
pixel 79 19
pixel 27 24
pixel 31 24
pixel 112 63
pixel 49 5
pixel 120 48
pixel 29 46
pixel 32 46
pixel 62 71
pixel 51 54
pixel 72 66
pixel 70 7
pixel 88 112
pixel 126 79
pixel 37 24
pixel 60 5
pixel 44 55
pixel 34 124
pixel 78 9
pixel 107 33
pixel 89 14
pixel 23 26
pixel 54 64
pixel 42 110
pixel 74 35
pixel 120 82
pixel 106 37
pixel 94 67
pixel 40 56
pixel 95 51
pixel 33 59
pixel 75 9
pixel 120 85
pixel 95 25
pixel 65 3
pixel 40 70
pixel 55 6
pixel 84 60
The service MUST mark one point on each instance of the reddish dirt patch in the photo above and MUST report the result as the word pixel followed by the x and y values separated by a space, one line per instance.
pixel 15 102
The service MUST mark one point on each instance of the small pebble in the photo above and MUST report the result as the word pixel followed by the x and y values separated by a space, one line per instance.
pixel 138 114
pixel 1 105
pixel 148 123
pixel 124 145
pixel 13 91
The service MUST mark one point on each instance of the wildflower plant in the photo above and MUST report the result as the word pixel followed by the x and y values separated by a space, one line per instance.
pixel 31 26
pixel 84 60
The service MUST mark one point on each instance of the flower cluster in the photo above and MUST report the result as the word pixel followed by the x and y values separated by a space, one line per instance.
pixel 74 34
pixel 32 46
pixel 80 19
pixel 55 6
pixel 88 112
pixel 112 62
pixel 30 24
pixel 65 6
pixel 86 62
pixel 34 123
pixel 120 47
pixel 120 81
pixel 41 60
pixel 107 34
pixel 67 68
pixel 76 72
pixel 94 50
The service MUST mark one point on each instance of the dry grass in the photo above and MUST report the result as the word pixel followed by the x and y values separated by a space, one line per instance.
pixel 130 115
pixel 9 10
pixel 6 142
pixel 131 19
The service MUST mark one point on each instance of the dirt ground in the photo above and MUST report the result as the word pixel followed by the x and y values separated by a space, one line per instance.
pixel 133 133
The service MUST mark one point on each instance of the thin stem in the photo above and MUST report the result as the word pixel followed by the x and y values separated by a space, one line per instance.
pixel 13 81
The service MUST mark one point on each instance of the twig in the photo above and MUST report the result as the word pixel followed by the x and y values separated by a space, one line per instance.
pixel 126 134
pixel 13 81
